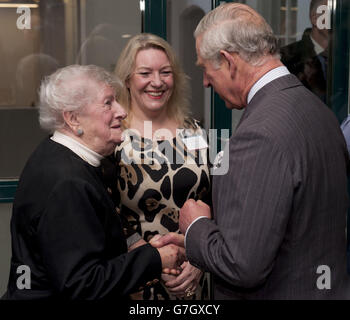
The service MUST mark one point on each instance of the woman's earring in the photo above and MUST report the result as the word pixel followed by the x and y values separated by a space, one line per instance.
pixel 80 132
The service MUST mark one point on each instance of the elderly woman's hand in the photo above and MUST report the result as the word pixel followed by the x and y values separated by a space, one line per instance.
pixel 185 284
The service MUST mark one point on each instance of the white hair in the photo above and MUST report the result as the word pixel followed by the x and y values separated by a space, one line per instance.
pixel 236 28
pixel 69 89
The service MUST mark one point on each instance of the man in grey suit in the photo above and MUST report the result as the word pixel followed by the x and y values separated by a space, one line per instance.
pixel 279 214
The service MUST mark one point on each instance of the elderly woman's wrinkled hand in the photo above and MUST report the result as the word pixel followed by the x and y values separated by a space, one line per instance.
pixel 172 256
pixel 185 284
pixel 158 242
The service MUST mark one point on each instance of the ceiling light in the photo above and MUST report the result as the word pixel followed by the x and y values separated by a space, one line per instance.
pixel 18 5
pixel 142 5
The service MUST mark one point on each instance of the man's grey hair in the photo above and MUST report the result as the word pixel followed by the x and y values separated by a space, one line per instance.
pixel 70 89
pixel 236 28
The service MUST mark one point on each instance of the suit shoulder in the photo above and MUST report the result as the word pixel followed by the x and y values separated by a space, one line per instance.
pixel 291 115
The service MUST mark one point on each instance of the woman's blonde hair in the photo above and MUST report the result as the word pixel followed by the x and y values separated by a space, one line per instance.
pixel 179 103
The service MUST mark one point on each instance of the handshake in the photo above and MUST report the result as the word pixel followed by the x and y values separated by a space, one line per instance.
pixel 179 276
pixel 171 248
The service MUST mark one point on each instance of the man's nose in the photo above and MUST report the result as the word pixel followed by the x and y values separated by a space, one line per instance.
pixel 206 82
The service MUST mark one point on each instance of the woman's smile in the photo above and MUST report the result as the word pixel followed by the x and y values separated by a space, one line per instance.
pixel 151 84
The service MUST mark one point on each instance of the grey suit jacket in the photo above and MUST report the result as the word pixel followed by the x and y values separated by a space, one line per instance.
pixel 280 212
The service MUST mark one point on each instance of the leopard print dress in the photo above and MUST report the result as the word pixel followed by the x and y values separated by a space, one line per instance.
pixel 156 178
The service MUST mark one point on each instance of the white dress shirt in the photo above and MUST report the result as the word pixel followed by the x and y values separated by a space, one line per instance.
pixel 318 49
pixel 265 79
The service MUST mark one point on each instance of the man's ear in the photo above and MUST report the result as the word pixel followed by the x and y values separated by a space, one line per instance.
pixel 229 59
pixel 71 119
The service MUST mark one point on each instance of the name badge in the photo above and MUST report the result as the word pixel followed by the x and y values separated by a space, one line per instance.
pixel 195 143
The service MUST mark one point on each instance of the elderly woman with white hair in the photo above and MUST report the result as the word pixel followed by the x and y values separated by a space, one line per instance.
pixel 66 235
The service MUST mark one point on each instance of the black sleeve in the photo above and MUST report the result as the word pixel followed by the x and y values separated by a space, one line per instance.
pixel 72 240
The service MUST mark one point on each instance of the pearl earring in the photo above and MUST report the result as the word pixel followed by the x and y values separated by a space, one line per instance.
pixel 80 132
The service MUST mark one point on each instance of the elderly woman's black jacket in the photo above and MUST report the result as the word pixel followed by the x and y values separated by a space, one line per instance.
pixel 65 228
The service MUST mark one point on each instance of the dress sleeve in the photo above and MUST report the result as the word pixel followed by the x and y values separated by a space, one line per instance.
pixel 72 241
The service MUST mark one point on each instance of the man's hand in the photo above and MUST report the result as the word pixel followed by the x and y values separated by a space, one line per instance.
pixel 190 211
pixel 159 241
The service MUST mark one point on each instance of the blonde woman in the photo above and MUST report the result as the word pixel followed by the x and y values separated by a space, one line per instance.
pixel 163 159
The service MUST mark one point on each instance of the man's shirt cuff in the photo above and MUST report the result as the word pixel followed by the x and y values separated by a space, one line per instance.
pixel 201 217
